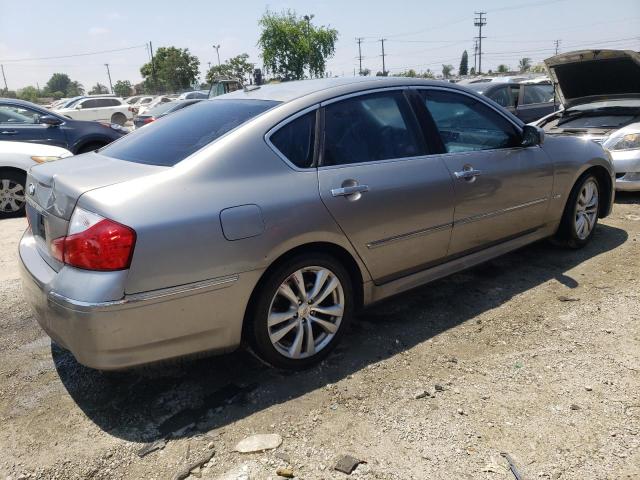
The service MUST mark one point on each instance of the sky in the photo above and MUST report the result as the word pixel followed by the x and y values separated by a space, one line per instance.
pixel 420 34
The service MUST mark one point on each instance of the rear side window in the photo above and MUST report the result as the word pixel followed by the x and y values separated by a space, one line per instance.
pixel 177 136
pixel 537 94
pixel 372 127
pixel 296 139
pixel 466 124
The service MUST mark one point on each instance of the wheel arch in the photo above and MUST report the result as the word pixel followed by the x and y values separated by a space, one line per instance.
pixel 13 169
pixel 336 251
pixel 606 184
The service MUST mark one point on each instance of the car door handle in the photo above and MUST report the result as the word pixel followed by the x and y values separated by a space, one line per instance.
pixel 346 191
pixel 8 132
pixel 468 173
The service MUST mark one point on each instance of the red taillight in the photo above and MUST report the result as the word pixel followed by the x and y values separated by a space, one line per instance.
pixel 95 243
pixel 148 120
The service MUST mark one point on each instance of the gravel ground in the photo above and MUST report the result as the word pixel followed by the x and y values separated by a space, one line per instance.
pixel 536 354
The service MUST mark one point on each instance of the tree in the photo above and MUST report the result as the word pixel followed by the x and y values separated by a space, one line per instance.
pixel 59 82
pixel 409 73
pixel 428 74
pixel 290 44
pixel 122 88
pixel 464 64
pixel 365 72
pixel 446 70
pixel 236 67
pixel 98 89
pixel 472 71
pixel 75 89
pixel 539 68
pixel 175 70
pixel 524 64
pixel 29 94
pixel 502 68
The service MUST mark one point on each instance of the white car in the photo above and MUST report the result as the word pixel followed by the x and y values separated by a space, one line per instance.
pixel 140 103
pixel 16 158
pixel 154 103
pixel 102 109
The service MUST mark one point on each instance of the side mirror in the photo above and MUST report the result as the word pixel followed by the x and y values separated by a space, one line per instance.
pixel 532 136
pixel 50 120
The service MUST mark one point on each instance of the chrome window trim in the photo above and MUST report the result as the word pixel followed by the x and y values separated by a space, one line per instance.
pixel 278 126
pixel 362 92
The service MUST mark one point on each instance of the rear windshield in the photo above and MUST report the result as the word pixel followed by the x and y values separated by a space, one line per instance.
pixel 178 135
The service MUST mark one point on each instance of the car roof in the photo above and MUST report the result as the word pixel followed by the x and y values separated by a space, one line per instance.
pixel 288 91
pixel 17 101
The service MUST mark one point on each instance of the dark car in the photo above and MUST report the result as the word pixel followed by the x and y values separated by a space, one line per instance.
pixel 527 101
pixel 161 110
pixel 26 122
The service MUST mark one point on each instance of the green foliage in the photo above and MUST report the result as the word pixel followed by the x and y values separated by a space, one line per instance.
pixel 290 44
pixel 175 70
pixel 524 64
pixel 464 64
pixel 59 82
pixel 502 68
pixel 539 68
pixel 472 71
pixel 57 95
pixel 98 89
pixel 122 88
pixel 446 70
pixel 8 93
pixel 237 67
pixel 365 72
pixel 29 94
pixel 74 89
pixel 409 73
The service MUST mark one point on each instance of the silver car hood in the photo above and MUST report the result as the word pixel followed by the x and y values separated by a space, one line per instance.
pixel 586 76
pixel 56 186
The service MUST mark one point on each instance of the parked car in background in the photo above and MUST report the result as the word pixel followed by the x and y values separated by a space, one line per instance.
pixel 220 87
pixel 201 94
pixel 161 110
pixel 600 94
pixel 24 121
pixel 142 101
pixel 154 103
pixel 526 100
pixel 132 100
pixel 16 158
pixel 270 214
pixel 102 109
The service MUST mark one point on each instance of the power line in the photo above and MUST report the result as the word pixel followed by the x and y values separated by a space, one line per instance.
pixel 73 55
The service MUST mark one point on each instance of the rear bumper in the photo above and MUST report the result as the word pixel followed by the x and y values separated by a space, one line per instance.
pixel 141 328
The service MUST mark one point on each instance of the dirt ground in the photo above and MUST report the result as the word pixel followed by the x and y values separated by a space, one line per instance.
pixel 536 354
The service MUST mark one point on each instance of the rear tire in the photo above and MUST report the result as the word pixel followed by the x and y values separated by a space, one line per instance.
pixel 294 329
pixel 12 193
pixel 118 119
pixel 580 216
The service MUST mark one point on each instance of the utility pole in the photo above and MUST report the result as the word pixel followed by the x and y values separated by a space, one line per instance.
pixel 5 78
pixel 153 67
pixel 480 21
pixel 557 44
pixel 217 47
pixel 359 40
pixel 308 18
pixel 384 70
pixel 475 55
pixel 109 75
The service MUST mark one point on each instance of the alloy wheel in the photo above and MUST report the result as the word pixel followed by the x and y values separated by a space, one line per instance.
pixel 306 312
pixel 11 196
pixel 586 209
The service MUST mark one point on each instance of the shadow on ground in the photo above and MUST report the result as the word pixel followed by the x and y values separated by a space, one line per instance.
pixel 198 395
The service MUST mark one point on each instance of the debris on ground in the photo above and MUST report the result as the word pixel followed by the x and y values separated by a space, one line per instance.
pixel 285 472
pixel 512 466
pixel 186 471
pixel 152 447
pixel 347 464
pixel 259 443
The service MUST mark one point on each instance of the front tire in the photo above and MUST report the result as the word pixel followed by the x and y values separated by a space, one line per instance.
pixel 12 193
pixel 301 311
pixel 580 215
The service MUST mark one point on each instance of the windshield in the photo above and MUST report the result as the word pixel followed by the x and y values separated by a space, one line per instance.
pixel 179 135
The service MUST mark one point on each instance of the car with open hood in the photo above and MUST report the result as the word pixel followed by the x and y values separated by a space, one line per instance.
pixel 600 94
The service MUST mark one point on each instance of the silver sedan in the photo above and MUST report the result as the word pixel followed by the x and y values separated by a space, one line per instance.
pixel 267 216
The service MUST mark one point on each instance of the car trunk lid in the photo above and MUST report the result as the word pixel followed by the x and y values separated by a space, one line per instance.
pixel 588 75
pixel 53 190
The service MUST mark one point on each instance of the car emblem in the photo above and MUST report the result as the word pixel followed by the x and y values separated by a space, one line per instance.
pixel 32 189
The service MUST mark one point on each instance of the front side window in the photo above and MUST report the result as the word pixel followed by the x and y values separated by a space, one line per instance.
pixel 296 140
pixel 537 94
pixel 14 115
pixel 184 132
pixel 466 124
pixel 372 127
